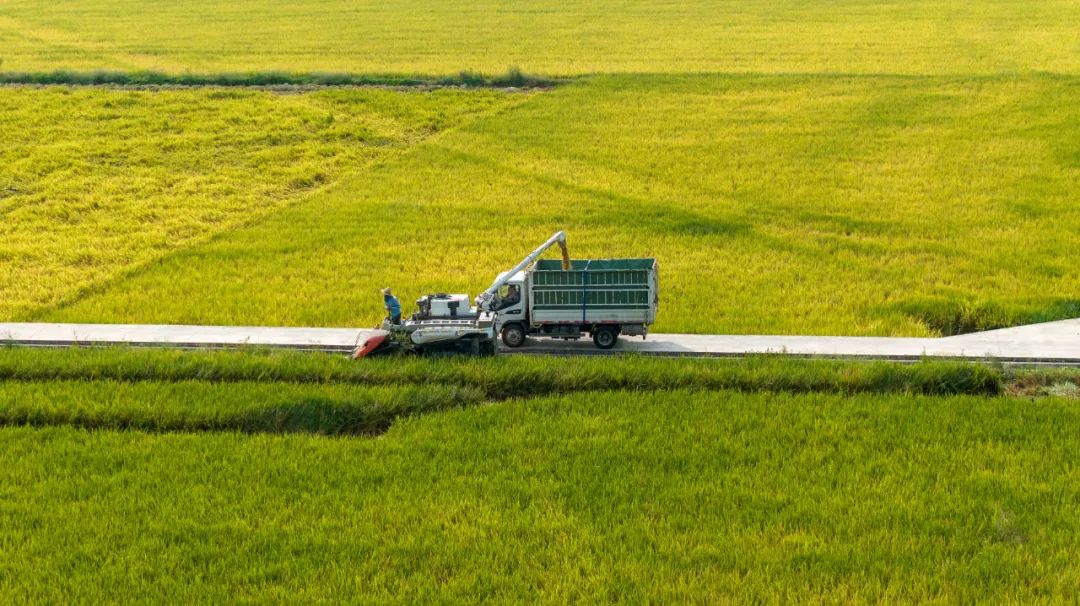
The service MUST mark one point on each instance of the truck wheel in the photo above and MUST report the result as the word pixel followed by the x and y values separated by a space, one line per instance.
pixel 604 337
pixel 513 335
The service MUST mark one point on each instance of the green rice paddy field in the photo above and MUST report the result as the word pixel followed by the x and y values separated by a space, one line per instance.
pixel 242 477
pixel 823 167
pixel 674 497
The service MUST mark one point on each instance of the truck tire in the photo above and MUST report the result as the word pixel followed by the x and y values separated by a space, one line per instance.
pixel 605 337
pixel 513 335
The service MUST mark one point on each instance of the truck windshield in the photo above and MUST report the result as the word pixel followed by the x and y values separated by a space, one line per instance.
pixel 509 295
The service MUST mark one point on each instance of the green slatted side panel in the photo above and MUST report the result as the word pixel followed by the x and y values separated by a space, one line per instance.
pixel 596 278
pixel 607 289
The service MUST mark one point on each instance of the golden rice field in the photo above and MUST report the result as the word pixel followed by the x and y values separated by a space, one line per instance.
pixel 97 182
pixel 775 204
pixel 554 38
pixel 879 169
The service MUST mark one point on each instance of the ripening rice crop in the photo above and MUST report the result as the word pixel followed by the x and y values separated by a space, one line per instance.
pixel 562 37
pixel 95 183
pixel 869 205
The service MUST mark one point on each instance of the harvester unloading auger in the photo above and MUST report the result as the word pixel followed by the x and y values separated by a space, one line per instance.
pixel 561 299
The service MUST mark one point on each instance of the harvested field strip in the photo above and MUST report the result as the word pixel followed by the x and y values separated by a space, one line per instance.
pixel 242 407
pixel 503 377
pixel 1062 382
pixel 95 183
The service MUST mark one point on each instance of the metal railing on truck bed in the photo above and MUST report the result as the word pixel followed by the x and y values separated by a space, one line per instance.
pixel 601 290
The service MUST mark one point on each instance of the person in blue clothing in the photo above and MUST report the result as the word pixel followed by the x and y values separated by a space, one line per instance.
pixel 393 307
pixel 512 297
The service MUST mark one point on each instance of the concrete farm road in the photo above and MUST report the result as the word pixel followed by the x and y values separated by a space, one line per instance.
pixel 1056 343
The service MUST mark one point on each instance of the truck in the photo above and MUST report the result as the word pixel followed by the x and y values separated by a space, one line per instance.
pixel 564 299
pixel 567 299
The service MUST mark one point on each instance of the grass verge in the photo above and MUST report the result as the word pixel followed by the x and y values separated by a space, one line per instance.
pixel 510 376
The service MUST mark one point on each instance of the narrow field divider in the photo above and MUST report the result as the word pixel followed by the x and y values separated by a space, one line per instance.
pixel 511 78
pixel 188 406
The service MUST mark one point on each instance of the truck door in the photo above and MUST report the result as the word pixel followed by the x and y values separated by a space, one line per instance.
pixel 511 304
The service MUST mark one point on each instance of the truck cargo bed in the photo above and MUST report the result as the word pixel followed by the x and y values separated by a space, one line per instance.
pixel 593 291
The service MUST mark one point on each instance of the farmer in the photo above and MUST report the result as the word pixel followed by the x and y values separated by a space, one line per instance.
pixel 512 298
pixel 393 307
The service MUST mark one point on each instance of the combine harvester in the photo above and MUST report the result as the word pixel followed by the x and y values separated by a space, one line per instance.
pixel 550 298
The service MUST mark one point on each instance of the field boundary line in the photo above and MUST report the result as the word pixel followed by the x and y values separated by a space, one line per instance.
pixel 511 79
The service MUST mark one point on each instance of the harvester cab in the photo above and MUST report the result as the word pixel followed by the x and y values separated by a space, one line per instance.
pixel 442 305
